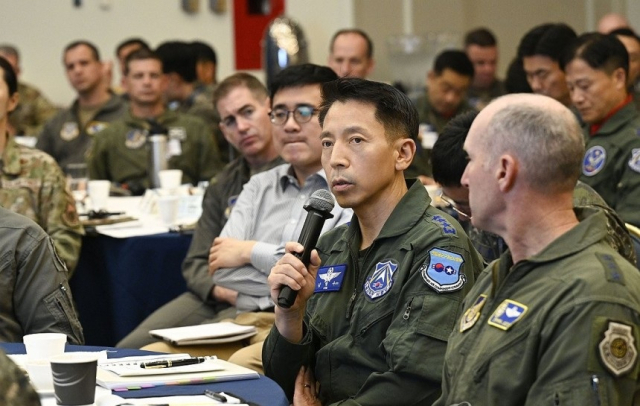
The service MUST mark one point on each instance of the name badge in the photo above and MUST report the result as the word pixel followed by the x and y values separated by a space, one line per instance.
pixel 329 278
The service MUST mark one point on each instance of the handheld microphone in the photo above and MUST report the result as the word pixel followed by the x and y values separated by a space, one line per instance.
pixel 319 207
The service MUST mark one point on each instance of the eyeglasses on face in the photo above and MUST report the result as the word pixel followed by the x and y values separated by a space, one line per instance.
pixel 301 114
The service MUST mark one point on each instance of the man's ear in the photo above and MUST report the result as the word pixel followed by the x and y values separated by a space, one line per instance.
pixel 14 99
pixel 405 150
pixel 506 172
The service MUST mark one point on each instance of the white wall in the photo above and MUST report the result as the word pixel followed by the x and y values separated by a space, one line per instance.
pixel 41 29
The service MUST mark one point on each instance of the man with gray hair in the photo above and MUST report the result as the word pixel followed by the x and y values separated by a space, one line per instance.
pixel 557 317
pixel 34 108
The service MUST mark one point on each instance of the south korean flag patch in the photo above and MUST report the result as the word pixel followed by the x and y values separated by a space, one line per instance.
pixel 634 161
pixel 442 272
pixel 378 284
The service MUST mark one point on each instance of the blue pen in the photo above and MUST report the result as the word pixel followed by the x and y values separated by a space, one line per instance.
pixel 595 385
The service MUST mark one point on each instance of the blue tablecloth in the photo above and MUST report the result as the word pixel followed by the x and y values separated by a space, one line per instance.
pixel 262 391
pixel 119 282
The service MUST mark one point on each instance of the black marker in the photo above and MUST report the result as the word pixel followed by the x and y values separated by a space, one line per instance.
pixel 173 363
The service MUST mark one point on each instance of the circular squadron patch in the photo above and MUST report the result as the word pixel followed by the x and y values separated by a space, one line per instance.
pixel 594 160
pixel 135 138
pixel 634 161
pixel 617 349
pixel 69 131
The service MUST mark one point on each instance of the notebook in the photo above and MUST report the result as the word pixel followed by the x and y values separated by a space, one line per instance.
pixel 213 333
pixel 218 371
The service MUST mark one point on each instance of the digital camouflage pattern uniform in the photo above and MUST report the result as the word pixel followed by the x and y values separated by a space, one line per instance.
pixel 377 326
pixel 611 163
pixel 119 153
pixel 34 291
pixel 32 112
pixel 491 246
pixel 15 388
pixel 558 328
pixel 33 185
pixel 67 141
pixel 430 122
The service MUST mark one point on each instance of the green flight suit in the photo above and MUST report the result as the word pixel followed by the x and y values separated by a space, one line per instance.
pixel 67 141
pixel 32 112
pixel 612 163
pixel 120 154
pixel 380 339
pixel 33 185
pixel 430 121
pixel 479 98
pixel 558 328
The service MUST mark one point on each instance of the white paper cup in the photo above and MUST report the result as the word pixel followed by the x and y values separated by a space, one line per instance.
pixel 168 209
pixel 40 375
pixel 42 346
pixel 99 194
pixel 170 178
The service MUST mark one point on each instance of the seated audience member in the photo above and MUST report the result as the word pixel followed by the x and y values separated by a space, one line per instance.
pixel 125 48
pixel 33 184
pixel 34 295
pixel 541 49
pixel 597 66
pixel 610 22
pixel 34 108
pixel 351 53
pixel 449 163
pixel 206 63
pixel 68 135
pixel 631 42
pixel 481 47
pixel 269 211
pixel 243 103
pixel 119 153
pixel 381 294
pixel 444 98
pixel 15 388
pixel 555 319
pixel 516 79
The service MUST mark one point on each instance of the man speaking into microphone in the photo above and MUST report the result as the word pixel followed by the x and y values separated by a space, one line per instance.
pixel 375 306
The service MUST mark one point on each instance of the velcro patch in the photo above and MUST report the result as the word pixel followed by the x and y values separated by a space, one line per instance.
pixel 634 161
pixel 611 268
pixel 507 314
pixel 594 160
pixel 378 284
pixel 442 273
pixel 329 278
pixel 618 349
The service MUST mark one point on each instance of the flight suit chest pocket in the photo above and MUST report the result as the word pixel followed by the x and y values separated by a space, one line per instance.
pixel 437 315
pixel 7 279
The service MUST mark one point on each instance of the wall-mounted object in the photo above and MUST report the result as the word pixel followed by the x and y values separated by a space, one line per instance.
pixel 284 45
pixel 250 19
pixel 190 6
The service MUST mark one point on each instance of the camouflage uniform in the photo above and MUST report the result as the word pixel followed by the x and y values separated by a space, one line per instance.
pixel 15 388
pixel 479 98
pixel 64 138
pixel 33 185
pixel 119 153
pixel 491 247
pixel 32 112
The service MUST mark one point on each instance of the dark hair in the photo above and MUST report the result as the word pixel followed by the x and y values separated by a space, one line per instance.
pixel 178 57
pixel 236 80
pixel 600 51
pixel 301 75
pixel 204 52
pixel 481 37
pixel 354 31
pixel 455 60
pixel 8 49
pixel 448 157
pixel 94 50
pixel 625 32
pixel 516 80
pixel 9 76
pixel 132 41
pixel 548 40
pixel 139 55
pixel 394 110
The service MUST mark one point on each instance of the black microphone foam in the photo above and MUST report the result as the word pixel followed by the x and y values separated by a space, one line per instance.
pixel 319 208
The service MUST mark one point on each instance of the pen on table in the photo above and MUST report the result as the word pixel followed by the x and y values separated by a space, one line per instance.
pixel 173 363
pixel 221 397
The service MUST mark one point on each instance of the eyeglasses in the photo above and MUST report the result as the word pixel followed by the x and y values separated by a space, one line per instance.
pixel 454 205
pixel 302 114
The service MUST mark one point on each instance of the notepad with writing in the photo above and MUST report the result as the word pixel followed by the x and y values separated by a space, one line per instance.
pixel 218 371
pixel 212 333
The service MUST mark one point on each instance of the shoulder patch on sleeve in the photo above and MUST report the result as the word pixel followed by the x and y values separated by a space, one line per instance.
pixel 441 271
pixel 634 161
pixel 617 348
pixel 611 269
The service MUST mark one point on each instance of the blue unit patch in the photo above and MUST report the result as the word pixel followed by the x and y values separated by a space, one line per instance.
pixel 507 314
pixel 329 278
pixel 378 284
pixel 442 273
pixel 634 161
pixel 446 226
pixel 594 160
